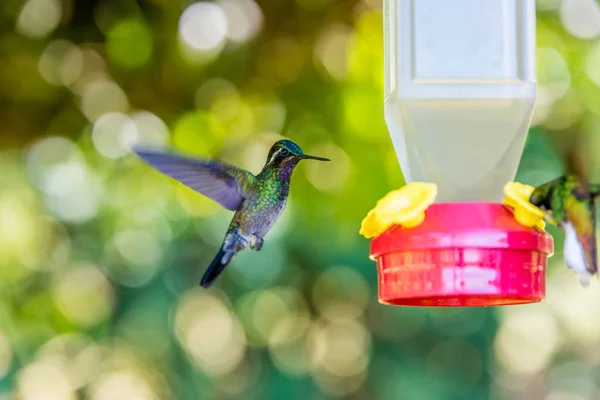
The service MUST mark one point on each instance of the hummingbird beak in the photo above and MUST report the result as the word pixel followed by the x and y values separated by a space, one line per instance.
pixel 307 157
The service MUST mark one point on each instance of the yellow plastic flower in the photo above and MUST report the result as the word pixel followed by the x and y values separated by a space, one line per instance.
pixel 371 226
pixel 405 206
pixel 517 197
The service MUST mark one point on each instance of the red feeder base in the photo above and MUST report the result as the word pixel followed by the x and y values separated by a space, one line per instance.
pixel 464 254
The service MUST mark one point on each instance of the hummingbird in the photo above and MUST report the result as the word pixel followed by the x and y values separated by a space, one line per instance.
pixel 569 202
pixel 258 200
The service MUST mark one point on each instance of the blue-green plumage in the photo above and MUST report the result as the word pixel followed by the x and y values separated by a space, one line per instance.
pixel 258 201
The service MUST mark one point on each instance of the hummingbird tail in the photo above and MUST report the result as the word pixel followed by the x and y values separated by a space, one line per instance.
pixel 215 268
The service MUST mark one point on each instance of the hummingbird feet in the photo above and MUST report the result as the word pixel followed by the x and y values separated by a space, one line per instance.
pixel 255 243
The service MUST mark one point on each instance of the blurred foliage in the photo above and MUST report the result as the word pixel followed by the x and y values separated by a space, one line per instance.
pixel 100 256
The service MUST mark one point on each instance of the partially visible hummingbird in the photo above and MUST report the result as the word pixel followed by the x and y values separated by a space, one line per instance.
pixel 570 203
pixel 257 200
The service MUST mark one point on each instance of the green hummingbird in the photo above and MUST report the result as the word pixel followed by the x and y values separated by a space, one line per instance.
pixel 258 201
pixel 569 202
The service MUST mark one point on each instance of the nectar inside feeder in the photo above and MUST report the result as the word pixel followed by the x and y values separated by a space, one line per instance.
pixel 459 96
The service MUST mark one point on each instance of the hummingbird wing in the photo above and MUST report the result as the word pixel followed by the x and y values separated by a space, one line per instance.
pixel 219 181
pixel 580 206
pixel 572 200
pixel 582 216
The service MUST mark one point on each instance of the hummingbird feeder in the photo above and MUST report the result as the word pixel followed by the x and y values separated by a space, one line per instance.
pixel 459 95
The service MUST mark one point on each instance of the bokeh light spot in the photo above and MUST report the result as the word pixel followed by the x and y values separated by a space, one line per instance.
pixel 48 153
pixel 210 333
pixel 332 176
pixel 341 347
pixel 84 295
pixel 38 18
pixel 581 18
pixel 526 342
pixel 122 385
pixel 554 77
pixel 270 115
pixel 268 309
pixel 263 313
pixel 289 345
pixel 203 26
pixel 150 129
pixel 244 19
pixel 341 356
pixel 61 63
pixel 129 43
pixel 45 379
pixel 566 112
pixel 138 246
pixel 136 255
pixel 79 356
pixel 574 308
pixel 23 234
pixel 101 97
pixel 331 50
pixel 73 191
pixel 197 131
pixel 113 134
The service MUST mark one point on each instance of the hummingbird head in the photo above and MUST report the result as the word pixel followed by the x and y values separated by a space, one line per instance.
pixel 542 195
pixel 286 152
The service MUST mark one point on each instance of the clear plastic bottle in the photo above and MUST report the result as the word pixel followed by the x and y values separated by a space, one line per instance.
pixel 459 91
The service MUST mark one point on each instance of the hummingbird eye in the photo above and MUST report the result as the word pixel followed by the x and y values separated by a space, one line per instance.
pixel 285 152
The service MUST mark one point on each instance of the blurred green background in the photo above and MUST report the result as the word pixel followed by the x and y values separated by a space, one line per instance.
pixel 100 256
